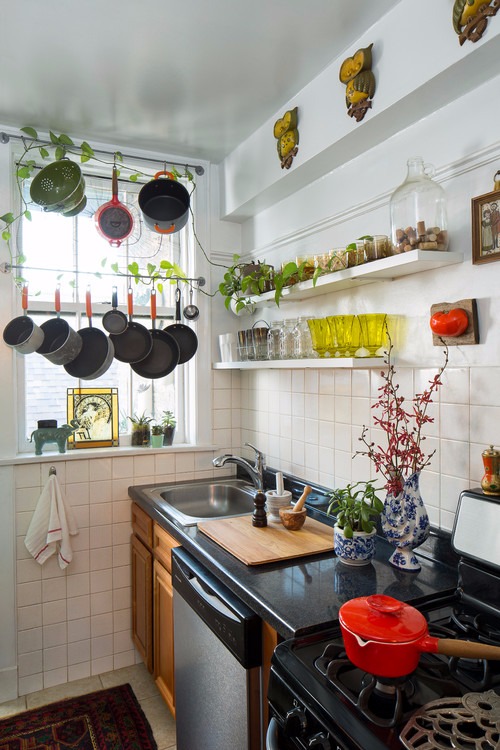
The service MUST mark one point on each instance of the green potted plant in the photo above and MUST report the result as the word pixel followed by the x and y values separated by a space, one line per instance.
pixel 157 436
pixel 168 424
pixel 141 431
pixel 356 508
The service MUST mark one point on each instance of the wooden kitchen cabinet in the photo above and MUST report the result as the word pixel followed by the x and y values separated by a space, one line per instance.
pixel 142 584
pixel 163 617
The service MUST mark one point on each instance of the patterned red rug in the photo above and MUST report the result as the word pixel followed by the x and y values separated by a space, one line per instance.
pixel 107 720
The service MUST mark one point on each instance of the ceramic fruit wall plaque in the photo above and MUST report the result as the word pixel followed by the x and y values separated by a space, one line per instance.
pixel 285 130
pixel 470 18
pixel 355 73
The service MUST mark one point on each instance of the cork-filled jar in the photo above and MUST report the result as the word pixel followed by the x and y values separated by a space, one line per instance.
pixel 418 211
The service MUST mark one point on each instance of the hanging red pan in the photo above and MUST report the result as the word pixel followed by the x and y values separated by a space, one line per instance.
pixel 164 355
pixel 113 220
pixel 386 637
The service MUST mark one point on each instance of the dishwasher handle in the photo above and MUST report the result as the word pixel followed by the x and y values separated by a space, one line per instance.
pixel 232 621
pixel 212 600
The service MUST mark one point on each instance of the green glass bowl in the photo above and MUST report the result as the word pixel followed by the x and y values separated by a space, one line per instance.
pixel 57 182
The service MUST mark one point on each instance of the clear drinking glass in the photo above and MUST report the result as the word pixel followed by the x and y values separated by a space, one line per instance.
pixel 286 338
pixel 302 342
pixel 273 340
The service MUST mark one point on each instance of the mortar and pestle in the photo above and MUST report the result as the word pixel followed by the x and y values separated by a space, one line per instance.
pixel 276 499
pixel 293 516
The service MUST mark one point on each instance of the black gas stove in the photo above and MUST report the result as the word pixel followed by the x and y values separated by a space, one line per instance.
pixel 319 699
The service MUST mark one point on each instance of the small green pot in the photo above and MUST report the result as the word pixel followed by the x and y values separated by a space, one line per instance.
pixel 157 441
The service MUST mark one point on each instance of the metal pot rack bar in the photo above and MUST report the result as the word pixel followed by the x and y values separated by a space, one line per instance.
pixel 9 267
pixel 6 137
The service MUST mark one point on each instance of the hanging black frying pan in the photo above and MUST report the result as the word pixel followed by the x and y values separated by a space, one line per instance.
pixel 113 220
pixel 114 321
pixel 164 355
pixel 135 343
pixel 184 335
pixel 97 351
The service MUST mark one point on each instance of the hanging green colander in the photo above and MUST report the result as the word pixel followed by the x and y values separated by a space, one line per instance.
pixel 56 183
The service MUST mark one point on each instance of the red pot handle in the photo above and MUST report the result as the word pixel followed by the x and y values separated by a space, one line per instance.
pixel 153 305
pixel 24 298
pixel 170 175
pixel 165 231
pixel 57 299
pixel 130 302
pixel 88 304
pixel 386 604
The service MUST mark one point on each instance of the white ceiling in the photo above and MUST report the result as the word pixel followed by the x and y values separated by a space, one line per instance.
pixel 190 77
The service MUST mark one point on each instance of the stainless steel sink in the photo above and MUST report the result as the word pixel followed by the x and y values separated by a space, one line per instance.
pixel 198 501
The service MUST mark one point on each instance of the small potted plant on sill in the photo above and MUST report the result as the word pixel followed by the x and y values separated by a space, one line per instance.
pixel 168 424
pixel 157 436
pixel 141 431
pixel 356 508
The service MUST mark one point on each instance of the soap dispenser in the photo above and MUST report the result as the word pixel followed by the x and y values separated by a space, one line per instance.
pixel 490 483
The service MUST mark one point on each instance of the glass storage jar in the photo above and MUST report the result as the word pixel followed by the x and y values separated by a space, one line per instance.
pixel 286 338
pixel 273 340
pixel 302 342
pixel 418 211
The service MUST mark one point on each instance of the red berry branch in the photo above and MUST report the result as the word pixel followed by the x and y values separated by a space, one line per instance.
pixel 403 454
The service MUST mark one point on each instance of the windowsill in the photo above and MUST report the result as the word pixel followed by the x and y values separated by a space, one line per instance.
pixel 82 453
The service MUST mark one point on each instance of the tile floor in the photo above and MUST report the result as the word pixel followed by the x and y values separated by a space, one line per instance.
pixel 153 705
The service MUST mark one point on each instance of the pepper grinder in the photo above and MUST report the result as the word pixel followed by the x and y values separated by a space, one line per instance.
pixel 490 483
pixel 259 517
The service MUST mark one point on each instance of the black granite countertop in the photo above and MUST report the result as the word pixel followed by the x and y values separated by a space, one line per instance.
pixel 304 595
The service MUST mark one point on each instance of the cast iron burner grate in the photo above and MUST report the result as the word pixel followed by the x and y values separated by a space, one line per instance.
pixel 386 702
pixel 468 723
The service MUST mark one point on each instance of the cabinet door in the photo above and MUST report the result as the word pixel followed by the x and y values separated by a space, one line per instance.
pixel 164 634
pixel 142 601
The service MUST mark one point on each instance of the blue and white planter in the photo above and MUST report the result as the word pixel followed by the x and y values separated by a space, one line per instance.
pixel 405 524
pixel 356 551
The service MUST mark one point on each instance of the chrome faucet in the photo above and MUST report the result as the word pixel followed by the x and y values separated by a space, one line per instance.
pixel 256 471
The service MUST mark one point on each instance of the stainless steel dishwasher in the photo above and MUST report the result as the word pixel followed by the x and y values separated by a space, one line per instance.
pixel 218 655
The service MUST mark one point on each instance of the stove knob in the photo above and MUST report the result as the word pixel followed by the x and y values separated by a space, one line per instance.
pixel 320 741
pixel 295 722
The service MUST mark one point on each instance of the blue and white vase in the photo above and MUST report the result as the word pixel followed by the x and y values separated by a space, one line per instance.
pixel 405 523
pixel 356 551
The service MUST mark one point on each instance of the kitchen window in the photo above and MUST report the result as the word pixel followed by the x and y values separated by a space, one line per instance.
pixel 70 253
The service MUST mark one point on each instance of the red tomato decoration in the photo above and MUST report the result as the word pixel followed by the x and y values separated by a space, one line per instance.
pixel 451 323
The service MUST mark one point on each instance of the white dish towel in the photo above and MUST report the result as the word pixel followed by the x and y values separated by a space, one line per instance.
pixel 52 525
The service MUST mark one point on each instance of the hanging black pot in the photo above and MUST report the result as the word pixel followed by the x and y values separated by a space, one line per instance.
pixel 184 335
pixel 164 355
pixel 164 204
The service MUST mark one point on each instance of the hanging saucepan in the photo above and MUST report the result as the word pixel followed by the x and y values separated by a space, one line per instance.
pixel 135 343
pixel 164 204
pixel 184 335
pixel 114 321
pixel 113 220
pixel 97 351
pixel 61 344
pixel 164 355
pixel 22 333
pixel 386 637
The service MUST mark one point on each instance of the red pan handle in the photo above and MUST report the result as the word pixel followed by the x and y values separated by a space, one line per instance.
pixel 24 298
pixel 165 231
pixel 153 305
pixel 88 305
pixel 170 175
pixel 114 183
pixel 57 299
pixel 130 302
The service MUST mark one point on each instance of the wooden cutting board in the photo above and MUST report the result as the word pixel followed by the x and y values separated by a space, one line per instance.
pixel 255 546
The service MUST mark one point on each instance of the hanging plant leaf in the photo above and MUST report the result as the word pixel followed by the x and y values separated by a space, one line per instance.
pixel 8 218
pixel 43 152
pixel 54 138
pixel 87 149
pixel 23 172
pixel 60 152
pixel 27 215
pixel 30 131
pixel 63 138
pixel 6 235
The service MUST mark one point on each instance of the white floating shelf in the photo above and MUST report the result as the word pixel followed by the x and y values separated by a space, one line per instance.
pixel 384 269
pixel 297 364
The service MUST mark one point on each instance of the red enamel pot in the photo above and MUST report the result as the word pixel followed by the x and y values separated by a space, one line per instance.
pixel 386 637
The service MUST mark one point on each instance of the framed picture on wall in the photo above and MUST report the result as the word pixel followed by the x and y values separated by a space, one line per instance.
pixel 486 227
pixel 96 409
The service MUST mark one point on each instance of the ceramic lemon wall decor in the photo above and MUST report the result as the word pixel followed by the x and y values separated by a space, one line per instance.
pixel 470 18
pixel 355 73
pixel 285 130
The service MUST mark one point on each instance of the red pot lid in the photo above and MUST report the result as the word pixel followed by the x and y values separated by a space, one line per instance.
pixel 383 619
